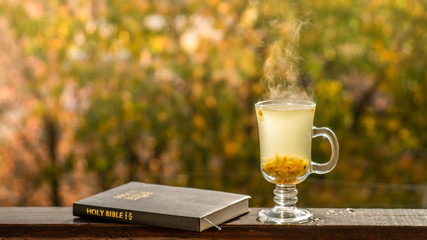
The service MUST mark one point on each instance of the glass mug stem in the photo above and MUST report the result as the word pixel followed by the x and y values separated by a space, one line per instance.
pixel 285 195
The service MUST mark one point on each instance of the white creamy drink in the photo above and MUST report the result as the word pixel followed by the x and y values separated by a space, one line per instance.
pixel 285 132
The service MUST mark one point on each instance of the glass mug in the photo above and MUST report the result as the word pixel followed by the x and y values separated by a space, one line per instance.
pixel 285 133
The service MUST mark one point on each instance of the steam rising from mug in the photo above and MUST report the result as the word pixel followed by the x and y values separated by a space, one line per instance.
pixel 283 76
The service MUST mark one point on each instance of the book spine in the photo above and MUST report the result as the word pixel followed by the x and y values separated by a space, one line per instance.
pixel 110 214
pixel 135 217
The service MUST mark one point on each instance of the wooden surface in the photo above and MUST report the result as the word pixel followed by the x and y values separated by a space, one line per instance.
pixel 53 222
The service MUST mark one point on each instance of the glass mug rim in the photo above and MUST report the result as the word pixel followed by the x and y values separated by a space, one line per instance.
pixel 285 104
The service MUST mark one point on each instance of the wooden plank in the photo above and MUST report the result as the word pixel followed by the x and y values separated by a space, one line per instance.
pixel 322 217
pixel 50 222
pixel 354 217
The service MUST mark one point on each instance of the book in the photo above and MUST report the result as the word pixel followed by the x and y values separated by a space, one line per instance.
pixel 163 206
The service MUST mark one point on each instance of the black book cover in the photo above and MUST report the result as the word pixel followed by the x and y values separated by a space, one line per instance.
pixel 164 206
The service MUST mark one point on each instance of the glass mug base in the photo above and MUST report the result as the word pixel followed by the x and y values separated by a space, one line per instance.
pixel 284 215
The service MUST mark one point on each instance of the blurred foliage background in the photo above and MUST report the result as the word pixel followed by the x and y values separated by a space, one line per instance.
pixel 97 93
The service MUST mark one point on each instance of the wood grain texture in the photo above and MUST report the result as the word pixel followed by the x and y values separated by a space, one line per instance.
pixel 53 222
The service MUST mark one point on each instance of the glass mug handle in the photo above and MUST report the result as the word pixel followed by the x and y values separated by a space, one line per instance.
pixel 322 168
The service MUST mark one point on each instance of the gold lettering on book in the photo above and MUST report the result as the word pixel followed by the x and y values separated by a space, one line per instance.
pixel 114 214
pixel 124 215
pixel 94 212
pixel 133 195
